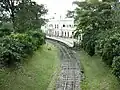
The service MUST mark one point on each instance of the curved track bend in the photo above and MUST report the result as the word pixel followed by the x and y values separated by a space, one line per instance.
pixel 70 75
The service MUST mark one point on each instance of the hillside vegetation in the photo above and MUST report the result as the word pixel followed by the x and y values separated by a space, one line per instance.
pixel 35 74
pixel 99 23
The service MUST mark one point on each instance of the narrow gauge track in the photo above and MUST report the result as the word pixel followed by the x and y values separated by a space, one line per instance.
pixel 69 77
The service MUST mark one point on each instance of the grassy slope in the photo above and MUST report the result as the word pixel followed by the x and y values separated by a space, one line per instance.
pixel 98 75
pixel 34 75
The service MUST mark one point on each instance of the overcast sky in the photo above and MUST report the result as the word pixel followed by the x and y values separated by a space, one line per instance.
pixel 59 7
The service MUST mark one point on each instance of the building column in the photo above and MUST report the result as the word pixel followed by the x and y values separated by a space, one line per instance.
pixel 60 33
pixel 64 34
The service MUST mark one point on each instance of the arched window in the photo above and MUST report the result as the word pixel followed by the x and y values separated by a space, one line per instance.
pixel 57 26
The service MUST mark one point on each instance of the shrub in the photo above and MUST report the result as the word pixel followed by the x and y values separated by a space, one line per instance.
pixel 116 66
pixel 90 48
pixel 4 32
pixel 110 50
pixel 15 47
pixel 107 56
pixel 11 51
pixel 99 47
pixel 26 40
pixel 7 25
pixel 38 36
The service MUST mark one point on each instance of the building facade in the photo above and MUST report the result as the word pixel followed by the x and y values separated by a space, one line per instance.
pixel 60 28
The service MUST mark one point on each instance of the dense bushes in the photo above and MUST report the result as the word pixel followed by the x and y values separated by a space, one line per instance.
pixel 20 34
pixel 99 23
pixel 90 49
pixel 4 32
pixel 116 66
pixel 109 49
pixel 37 35
pixel 11 50
pixel 15 47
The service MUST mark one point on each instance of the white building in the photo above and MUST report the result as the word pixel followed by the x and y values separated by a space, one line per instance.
pixel 60 28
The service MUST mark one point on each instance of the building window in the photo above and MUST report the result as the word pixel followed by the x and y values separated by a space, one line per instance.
pixel 57 26
pixel 72 33
pixel 63 25
pixel 70 26
pixel 68 34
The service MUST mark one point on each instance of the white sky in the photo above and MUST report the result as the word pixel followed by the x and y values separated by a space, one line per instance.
pixel 59 7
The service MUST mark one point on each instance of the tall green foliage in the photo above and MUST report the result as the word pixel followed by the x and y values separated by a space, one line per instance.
pixel 26 35
pixel 15 47
pixel 91 19
pixel 99 23
pixel 23 14
pixel 32 16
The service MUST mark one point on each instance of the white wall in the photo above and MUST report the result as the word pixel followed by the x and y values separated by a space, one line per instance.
pixel 59 30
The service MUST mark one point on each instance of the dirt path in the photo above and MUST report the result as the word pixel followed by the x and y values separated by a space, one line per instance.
pixel 69 77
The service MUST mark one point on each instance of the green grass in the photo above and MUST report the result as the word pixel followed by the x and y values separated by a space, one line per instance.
pixel 97 75
pixel 36 74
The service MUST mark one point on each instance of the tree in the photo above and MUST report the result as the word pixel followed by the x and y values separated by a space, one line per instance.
pixel 100 25
pixel 70 14
pixel 13 10
pixel 8 8
pixel 32 17
pixel 17 43
pixel 92 19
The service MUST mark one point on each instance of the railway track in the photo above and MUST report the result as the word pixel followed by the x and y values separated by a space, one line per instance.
pixel 70 75
pixel 69 78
